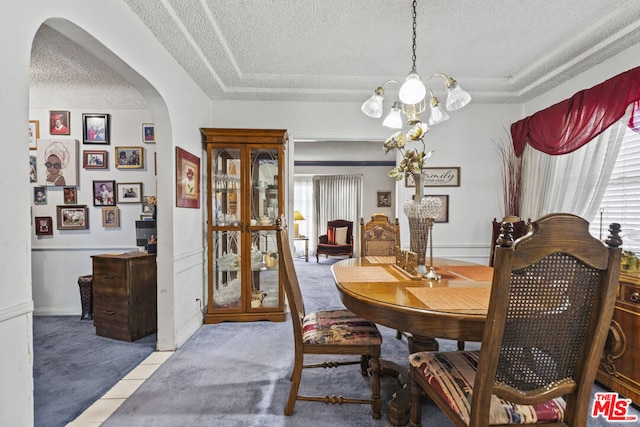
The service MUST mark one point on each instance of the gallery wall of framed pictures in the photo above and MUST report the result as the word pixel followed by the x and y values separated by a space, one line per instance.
pixel 92 174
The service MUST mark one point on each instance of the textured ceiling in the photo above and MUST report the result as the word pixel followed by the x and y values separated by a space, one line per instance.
pixel 337 50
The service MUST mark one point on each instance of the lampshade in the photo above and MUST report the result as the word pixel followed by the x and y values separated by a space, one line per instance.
pixel 297 216
pixel 372 107
pixel 438 115
pixel 412 90
pixel 394 118
pixel 456 97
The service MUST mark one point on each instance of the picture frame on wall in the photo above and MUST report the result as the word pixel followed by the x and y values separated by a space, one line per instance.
pixel 59 122
pixel 148 133
pixel 187 179
pixel 43 225
pixel 57 162
pixel 40 195
pixel 437 177
pixel 70 195
pixel 104 193
pixel 95 129
pixel 444 212
pixel 129 192
pixel 110 217
pixel 34 133
pixel 129 157
pixel 95 159
pixel 33 168
pixel 72 217
pixel 384 199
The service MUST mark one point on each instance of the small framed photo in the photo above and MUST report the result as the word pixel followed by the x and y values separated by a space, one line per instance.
pixel 92 159
pixel 70 195
pixel 33 169
pixel 146 217
pixel 384 199
pixel 95 129
pixel 110 217
pixel 34 133
pixel 148 133
pixel 44 225
pixel 147 204
pixel 444 212
pixel 129 192
pixel 40 195
pixel 73 217
pixel 187 179
pixel 129 157
pixel 104 193
pixel 59 122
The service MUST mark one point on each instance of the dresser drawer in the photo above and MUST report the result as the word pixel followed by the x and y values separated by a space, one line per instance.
pixel 111 309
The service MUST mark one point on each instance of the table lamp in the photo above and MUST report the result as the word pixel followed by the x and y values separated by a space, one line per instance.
pixel 297 216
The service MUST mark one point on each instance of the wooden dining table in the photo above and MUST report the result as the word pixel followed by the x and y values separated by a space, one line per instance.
pixel 454 307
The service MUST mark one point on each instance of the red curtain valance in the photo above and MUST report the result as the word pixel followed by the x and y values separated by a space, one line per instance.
pixel 569 124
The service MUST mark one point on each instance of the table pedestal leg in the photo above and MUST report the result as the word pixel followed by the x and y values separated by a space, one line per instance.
pixel 422 343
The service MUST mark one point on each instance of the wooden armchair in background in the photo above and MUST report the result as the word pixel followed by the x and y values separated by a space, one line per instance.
pixel 338 240
pixel 379 237
pixel 550 309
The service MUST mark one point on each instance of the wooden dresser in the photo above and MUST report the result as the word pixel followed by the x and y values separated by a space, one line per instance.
pixel 124 295
pixel 620 366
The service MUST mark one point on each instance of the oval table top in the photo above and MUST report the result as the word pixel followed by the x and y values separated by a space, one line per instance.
pixel 455 307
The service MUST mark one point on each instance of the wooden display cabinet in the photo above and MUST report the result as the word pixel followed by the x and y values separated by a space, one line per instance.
pixel 619 369
pixel 246 181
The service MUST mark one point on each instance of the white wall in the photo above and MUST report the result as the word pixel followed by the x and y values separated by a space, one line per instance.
pixel 465 141
pixel 60 258
pixel 178 108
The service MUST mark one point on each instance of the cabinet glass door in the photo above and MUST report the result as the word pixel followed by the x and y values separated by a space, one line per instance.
pixel 226 173
pixel 264 194
pixel 265 280
pixel 227 283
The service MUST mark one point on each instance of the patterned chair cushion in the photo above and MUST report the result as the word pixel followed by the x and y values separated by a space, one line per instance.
pixel 452 375
pixel 338 327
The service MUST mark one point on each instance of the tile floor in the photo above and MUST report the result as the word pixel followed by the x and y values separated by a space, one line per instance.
pixel 97 413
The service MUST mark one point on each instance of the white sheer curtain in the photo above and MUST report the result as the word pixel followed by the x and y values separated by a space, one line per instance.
pixel 338 197
pixel 574 182
pixel 303 202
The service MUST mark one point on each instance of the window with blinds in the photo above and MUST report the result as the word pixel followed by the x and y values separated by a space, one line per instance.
pixel 621 201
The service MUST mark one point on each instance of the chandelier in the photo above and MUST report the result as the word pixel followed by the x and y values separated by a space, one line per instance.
pixel 412 97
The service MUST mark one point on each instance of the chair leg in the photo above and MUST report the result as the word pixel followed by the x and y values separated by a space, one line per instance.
pixel 376 401
pixel 296 375
pixel 364 365
pixel 460 345
pixel 398 334
pixel 416 408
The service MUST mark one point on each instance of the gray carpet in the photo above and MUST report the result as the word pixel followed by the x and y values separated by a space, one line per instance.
pixel 73 367
pixel 236 374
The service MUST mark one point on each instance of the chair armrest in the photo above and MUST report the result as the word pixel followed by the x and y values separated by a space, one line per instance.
pixel 323 239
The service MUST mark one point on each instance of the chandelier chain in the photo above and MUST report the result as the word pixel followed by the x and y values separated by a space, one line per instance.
pixel 413 57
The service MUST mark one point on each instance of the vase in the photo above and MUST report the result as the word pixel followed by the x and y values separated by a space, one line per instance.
pixel 421 211
pixel 418 223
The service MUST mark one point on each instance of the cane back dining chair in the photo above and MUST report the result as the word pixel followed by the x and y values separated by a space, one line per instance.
pixel 520 228
pixel 334 332
pixel 551 304
pixel 379 237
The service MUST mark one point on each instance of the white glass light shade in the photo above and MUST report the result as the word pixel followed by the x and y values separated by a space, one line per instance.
pixel 394 118
pixel 456 97
pixel 372 107
pixel 438 115
pixel 412 90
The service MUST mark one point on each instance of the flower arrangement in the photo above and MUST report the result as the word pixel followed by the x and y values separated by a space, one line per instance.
pixel 511 174
pixel 151 200
pixel 413 160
